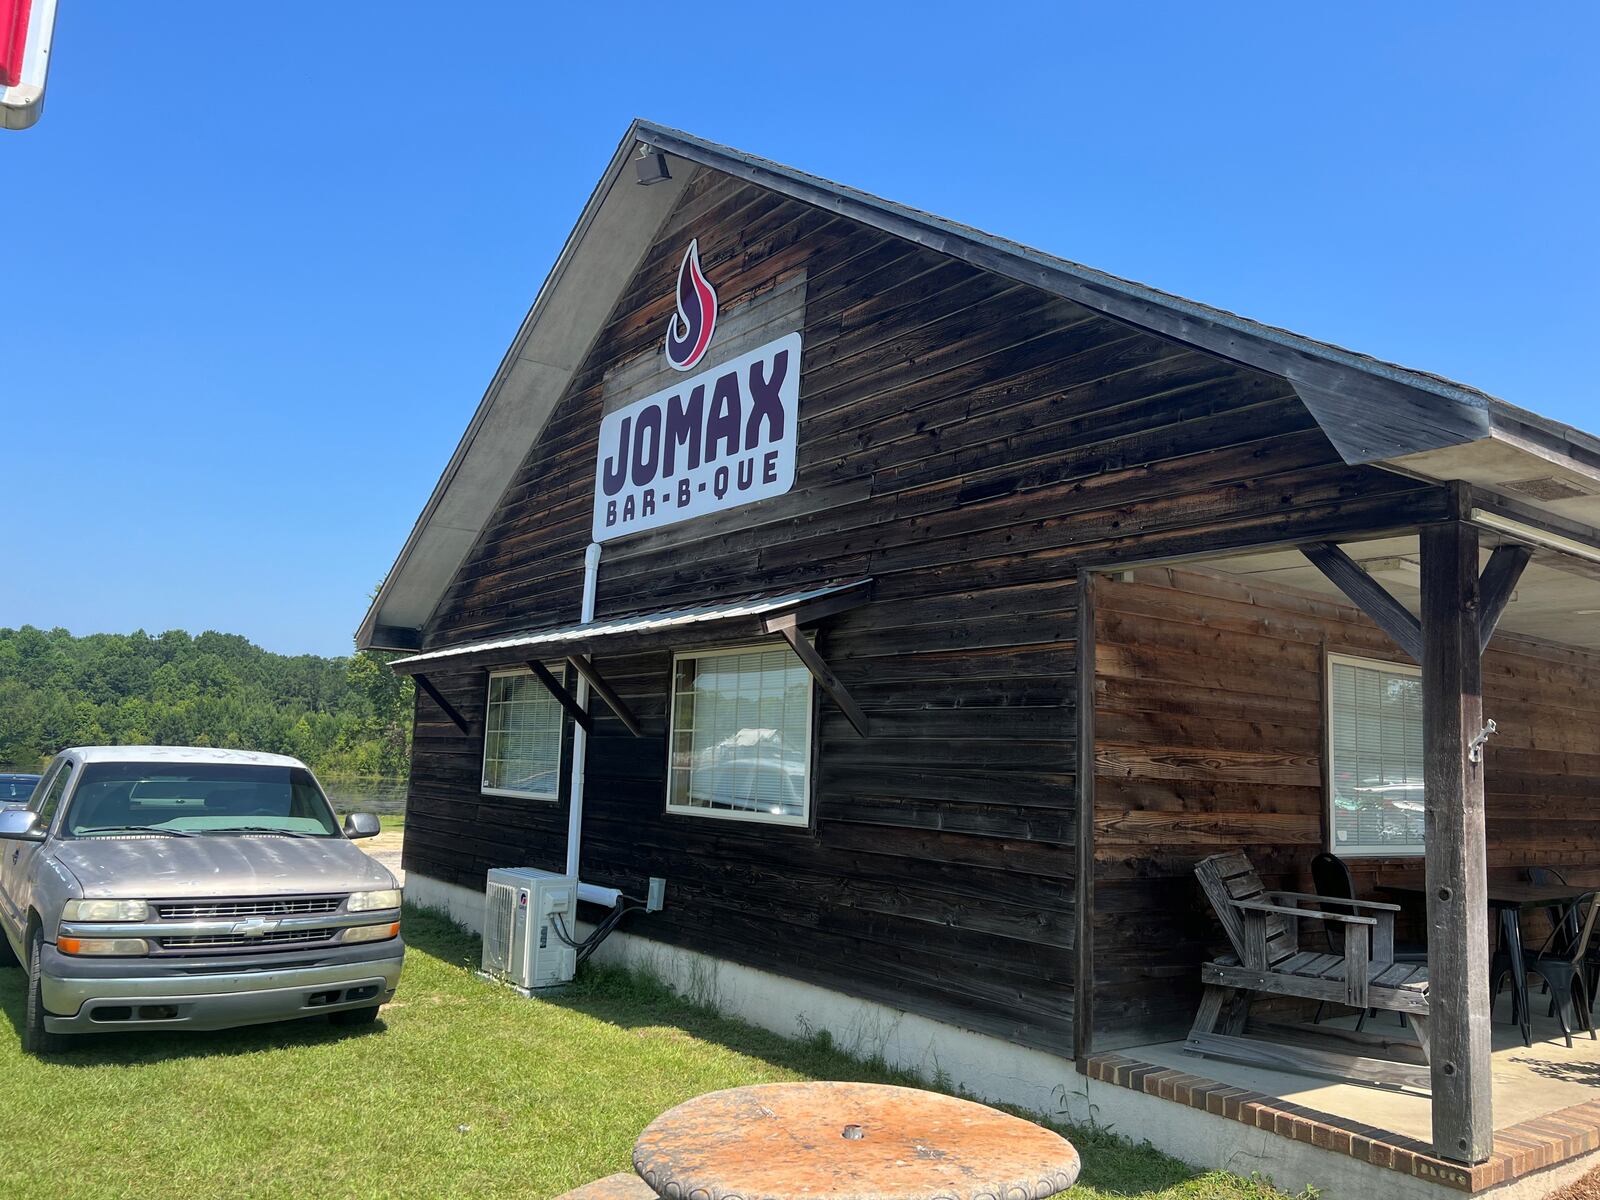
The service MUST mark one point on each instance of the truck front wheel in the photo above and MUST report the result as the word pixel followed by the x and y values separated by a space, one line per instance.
pixel 36 1039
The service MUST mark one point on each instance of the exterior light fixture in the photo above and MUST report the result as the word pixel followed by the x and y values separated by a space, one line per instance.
pixel 651 165
pixel 1532 533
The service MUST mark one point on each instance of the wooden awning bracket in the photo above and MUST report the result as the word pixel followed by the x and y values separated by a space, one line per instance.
pixel 448 709
pixel 597 684
pixel 1367 594
pixel 563 697
pixel 1495 586
pixel 788 626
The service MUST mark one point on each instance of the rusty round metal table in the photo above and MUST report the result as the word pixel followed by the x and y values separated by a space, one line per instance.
pixel 848 1141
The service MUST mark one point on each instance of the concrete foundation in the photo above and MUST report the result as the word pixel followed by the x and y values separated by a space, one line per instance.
pixel 997 1071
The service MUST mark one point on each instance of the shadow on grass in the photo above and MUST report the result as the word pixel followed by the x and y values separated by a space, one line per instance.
pixel 1113 1165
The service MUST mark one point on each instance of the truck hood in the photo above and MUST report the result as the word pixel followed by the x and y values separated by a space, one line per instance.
pixel 150 868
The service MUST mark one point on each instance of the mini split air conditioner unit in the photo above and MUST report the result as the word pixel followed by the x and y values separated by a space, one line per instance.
pixel 521 944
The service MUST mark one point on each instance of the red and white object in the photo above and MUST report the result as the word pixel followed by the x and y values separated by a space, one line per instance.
pixel 25 30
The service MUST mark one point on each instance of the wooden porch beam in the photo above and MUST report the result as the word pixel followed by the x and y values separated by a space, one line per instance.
pixel 597 684
pixel 1495 585
pixel 437 697
pixel 563 697
pixel 789 627
pixel 1367 594
pixel 1455 849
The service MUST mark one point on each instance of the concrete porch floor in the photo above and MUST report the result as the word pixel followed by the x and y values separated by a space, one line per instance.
pixel 1546 1111
pixel 1529 1082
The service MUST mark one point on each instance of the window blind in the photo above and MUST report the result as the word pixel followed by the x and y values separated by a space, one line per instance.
pixel 522 737
pixel 741 734
pixel 1375 744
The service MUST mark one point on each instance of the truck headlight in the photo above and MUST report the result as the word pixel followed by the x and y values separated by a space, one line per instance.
pixel 122 946
pixel 105 910
pixel 374 901
pixel 371 933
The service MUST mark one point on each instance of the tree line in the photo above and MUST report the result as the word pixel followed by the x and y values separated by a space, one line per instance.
pixel 341 716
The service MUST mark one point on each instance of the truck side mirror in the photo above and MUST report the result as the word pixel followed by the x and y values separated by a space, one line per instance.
pixel 361 825
pixel 21 825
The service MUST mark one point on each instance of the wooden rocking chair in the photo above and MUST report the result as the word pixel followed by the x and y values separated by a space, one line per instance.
pixel 1264 928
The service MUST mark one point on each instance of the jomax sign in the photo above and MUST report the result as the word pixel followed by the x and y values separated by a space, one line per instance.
pixel 719 439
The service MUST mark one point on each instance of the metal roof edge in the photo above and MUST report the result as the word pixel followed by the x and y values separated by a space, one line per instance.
pixel 1555 440
pixel 756 604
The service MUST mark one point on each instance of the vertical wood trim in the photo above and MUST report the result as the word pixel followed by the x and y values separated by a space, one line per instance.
pixel 1083 904
pixel 1325 745
pixel 1456 857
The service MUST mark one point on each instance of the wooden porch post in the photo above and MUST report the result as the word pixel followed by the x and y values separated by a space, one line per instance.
pixel 1458 937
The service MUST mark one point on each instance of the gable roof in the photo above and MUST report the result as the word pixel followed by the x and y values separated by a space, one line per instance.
pixel 1372 411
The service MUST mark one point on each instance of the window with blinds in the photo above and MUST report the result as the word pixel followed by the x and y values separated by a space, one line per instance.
pixel 741 735
pixel 521 738
pixel 1374 757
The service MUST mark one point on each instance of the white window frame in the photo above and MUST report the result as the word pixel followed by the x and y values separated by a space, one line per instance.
pixel 561 734
pixel 803 820
pixel 1331 766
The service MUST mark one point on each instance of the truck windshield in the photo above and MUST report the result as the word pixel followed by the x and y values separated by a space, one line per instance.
pixel 198 798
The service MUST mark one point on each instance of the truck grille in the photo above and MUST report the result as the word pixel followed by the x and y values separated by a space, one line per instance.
pixel 266 906
pixel 223 941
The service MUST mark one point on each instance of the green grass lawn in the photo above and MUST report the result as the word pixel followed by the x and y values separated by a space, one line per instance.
pixel 463 1089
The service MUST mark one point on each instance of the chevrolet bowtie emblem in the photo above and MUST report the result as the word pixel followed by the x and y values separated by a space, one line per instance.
pixel 255 927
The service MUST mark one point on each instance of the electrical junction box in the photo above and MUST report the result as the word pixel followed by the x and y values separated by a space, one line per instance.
pixel 522 943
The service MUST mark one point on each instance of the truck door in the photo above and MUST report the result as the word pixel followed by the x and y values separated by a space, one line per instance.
pixel 16 857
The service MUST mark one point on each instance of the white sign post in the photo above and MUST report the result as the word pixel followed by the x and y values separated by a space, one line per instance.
pixel 713 441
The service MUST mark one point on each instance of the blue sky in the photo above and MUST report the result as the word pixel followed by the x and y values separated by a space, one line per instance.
pixel 259 272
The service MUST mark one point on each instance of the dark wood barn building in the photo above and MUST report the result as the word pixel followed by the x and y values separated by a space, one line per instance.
pixel 953 601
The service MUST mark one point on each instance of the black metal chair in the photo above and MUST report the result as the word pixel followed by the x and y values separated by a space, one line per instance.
pixel 1562 962
pixel 1568 917
pixel 1331 877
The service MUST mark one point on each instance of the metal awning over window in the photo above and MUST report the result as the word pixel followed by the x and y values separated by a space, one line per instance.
pixel 759 616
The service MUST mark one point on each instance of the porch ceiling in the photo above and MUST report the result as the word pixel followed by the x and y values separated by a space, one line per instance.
pixel 1557 599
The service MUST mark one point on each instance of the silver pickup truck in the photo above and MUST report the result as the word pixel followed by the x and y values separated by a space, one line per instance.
pixel 155 887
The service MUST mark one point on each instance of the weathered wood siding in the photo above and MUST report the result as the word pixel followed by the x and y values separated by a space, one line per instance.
pixel 1210 736
pixel 966 441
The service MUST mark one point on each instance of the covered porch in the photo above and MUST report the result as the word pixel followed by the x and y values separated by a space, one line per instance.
pixel 1225 713
pixel 1546 1104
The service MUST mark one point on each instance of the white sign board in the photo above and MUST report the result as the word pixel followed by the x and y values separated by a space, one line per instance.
pixel 713 441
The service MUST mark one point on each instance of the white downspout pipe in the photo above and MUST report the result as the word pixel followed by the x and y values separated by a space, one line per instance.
pixel 580 748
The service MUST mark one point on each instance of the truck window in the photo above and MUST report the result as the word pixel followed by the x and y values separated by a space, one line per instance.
pixel 48 799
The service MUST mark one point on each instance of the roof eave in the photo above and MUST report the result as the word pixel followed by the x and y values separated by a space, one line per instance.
pixel 374 632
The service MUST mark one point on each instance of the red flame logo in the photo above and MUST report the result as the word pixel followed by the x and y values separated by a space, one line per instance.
pixel 689 331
